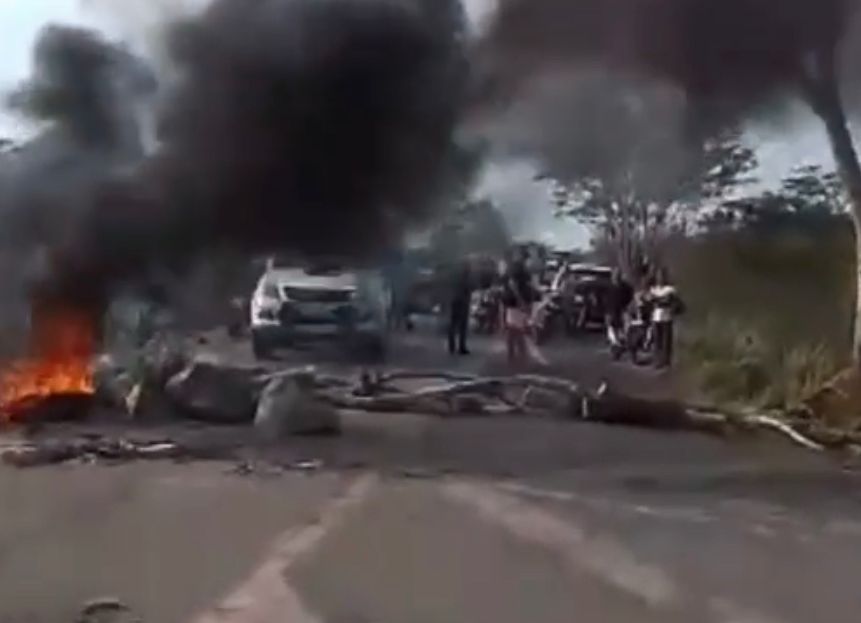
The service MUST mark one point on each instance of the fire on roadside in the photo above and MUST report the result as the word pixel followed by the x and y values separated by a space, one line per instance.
pixel 62 342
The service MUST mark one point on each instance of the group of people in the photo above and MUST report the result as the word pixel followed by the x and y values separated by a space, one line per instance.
pixel 637 319
pixel 518 295
pixel 643 319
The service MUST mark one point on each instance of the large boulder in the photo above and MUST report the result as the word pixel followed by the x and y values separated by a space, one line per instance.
pixel 210 390
pixel 288 407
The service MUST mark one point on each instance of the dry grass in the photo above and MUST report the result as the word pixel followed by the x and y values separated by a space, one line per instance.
pixel 770 315
pixel 729 362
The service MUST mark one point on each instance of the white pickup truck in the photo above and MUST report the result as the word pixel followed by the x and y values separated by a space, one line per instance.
pixel 319 301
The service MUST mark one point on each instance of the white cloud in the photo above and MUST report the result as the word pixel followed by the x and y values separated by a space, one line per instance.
pixel 479 13
pixel 527 205
pixel 798 140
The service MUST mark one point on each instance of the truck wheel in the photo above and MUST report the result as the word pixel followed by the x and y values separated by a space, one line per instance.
pixel 372 348
pixel 261 347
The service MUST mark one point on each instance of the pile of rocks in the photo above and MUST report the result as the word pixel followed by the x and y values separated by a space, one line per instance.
pixel 210 390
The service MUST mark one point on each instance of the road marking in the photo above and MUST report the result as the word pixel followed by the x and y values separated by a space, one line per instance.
pixel 601 556
pixel 844 527
pixel 266 596
pixel 689 514
pixel 725 611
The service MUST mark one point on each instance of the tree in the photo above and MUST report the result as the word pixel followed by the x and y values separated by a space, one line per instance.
pixel 474 226
pixel 807 197
pixel 821 89
pixel 624 160
pixel 810 189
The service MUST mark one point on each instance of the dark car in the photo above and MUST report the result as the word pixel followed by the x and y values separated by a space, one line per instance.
pixel 581 290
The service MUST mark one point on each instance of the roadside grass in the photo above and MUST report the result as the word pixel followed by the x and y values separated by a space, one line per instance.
pixel 731 363
pixel 770 314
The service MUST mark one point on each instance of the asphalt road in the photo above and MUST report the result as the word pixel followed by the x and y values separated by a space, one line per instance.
pixel 406 519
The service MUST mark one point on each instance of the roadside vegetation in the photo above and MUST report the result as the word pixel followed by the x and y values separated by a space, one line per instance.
pixel 769 312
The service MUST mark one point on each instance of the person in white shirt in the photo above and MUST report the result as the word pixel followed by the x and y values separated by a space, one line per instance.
pixel 666 305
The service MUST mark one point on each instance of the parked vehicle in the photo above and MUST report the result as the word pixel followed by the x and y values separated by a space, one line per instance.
pixel 319 301
pixel 635 339
pixel 424 293
pixel 581 288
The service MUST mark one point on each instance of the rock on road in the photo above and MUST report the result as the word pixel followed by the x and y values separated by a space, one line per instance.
pixel 417 520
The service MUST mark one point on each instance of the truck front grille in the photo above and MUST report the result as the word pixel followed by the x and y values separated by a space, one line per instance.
pixel 309 295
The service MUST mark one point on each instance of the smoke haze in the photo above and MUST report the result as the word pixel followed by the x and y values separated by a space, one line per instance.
pixel 634 87
pixel 711 48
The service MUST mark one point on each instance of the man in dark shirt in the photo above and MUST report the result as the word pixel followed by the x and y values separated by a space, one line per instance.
pixel 459 308
pixel 618 297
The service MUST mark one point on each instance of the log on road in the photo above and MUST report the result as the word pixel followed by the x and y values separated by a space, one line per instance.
pixel 496 395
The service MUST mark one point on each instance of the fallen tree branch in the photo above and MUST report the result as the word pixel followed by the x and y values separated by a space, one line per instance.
pixel 607 407
pixel 320 380
pixel 439 400
pixel 418 375
pixel 770 423
pixel 49 452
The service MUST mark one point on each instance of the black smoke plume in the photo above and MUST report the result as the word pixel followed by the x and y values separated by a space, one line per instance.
pixel 684 71
pixel 322 126
pixel 77 83
pixel 714 49
pixel 316 126
pixel 86 93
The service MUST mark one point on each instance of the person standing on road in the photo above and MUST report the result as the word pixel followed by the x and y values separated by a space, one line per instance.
pixel 618 298
pixel 666 305
pixel 517 301
pixel 398 281
pixel 459 308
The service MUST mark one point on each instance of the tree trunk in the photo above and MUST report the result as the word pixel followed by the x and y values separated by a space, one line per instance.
pixel 823 94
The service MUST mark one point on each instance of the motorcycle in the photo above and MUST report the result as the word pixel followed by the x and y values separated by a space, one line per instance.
pixel 549 318
pixel 634 338
pixel 486 312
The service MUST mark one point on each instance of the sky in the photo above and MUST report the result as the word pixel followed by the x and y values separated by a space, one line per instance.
pixel 20 20
pixel 525 203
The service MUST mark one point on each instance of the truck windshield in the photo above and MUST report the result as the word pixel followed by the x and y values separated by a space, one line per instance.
pixel 324 268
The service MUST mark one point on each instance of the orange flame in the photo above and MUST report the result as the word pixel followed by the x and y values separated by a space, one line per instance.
pixel 63 341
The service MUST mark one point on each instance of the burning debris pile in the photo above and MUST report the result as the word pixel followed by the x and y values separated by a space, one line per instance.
pixel 60 367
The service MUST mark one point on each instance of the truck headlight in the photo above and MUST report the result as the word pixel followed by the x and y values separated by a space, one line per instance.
pixel 267 313
pixel 270 292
